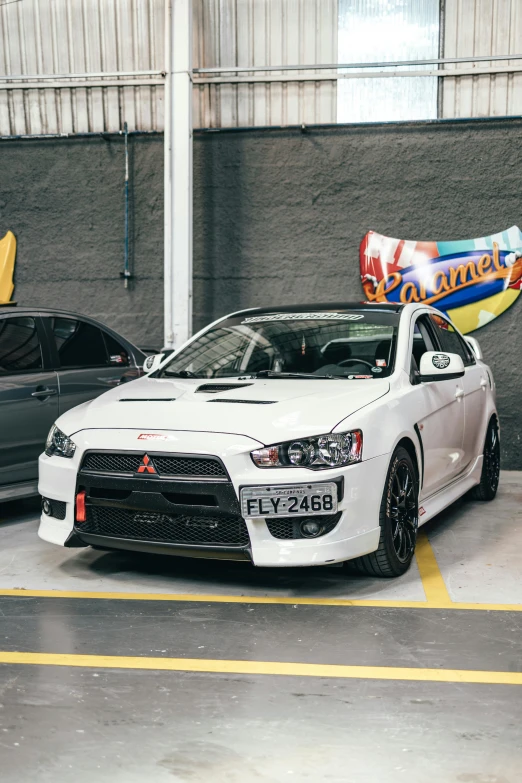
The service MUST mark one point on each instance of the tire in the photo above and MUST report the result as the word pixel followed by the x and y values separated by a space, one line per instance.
pixel 487 489
pixel 398 526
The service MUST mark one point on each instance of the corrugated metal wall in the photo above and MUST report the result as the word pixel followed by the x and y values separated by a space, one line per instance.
pixel 80 36
pixel 94 36
pixel 265 32
pixel 110 36
pixel 481 28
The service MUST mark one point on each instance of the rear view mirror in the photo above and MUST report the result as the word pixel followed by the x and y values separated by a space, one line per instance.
pixel 475 347
pixel 152 363
pixel 439 366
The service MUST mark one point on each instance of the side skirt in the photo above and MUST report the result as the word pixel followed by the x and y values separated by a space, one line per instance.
pixel 444 497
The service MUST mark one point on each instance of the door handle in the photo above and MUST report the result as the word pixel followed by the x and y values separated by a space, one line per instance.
pixel 459 393
pixel 43 392
pixel 483 384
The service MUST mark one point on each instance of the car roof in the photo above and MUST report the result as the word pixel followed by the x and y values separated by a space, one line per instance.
pixel 6 310
pixel 314 307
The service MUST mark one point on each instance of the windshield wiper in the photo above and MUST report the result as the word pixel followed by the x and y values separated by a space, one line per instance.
pixel 274 374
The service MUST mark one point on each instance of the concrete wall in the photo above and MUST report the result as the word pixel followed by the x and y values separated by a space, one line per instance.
pixel 64 201
pixel 278 217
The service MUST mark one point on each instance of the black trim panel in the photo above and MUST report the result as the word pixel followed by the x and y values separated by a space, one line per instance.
pixel 157 494
pixel 178 550
pixel 421 444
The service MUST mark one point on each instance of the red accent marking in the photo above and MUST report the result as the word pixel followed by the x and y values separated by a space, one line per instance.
pixel 146 465
pixel 422 511
pixel 81 513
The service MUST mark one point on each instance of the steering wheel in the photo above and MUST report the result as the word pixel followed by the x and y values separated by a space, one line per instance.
pixel 354 361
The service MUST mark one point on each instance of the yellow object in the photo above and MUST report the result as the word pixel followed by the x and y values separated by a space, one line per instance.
pixel 473 316
pixel 227 666
pixel 7 264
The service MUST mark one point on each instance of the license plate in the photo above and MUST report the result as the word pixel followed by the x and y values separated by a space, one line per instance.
pixel 293 500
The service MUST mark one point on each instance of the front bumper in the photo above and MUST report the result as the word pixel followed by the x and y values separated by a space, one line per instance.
pixel 356 533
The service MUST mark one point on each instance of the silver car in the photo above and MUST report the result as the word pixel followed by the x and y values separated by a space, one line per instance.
pixel 50 361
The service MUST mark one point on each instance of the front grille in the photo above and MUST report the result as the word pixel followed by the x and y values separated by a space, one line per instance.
pixel 165 528
pixel 189 466
pixel 290 528
pixel 171 466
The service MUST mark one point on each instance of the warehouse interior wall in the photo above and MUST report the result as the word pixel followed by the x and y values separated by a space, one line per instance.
pixel 278 217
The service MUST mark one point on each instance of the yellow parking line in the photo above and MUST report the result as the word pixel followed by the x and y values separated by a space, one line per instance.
pixel 431 577
pixel 432 581
pixel 259 599
pixel 219 599
pixel 263 667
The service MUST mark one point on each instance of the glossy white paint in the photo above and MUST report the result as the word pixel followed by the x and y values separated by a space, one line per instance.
pixel 451 417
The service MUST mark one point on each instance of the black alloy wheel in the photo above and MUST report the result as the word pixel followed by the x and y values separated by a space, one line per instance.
pixel 487 489
pixel 403 512
pixel 398 518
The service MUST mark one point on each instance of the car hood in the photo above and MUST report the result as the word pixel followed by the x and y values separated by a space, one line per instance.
pixel 267 410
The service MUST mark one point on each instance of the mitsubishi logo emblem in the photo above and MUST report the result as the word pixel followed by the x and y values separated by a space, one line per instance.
pixel 147 466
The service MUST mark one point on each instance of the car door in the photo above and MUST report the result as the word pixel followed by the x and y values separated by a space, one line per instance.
pixel 28 397
pixel 438 411
pixel 474 384
pixel 88 360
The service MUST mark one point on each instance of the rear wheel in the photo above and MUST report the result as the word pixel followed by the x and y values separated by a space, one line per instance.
pixel 487 489
pixel 398 518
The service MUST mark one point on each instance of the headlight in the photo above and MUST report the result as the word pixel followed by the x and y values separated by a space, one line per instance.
pixel 58 444
pixel 323 451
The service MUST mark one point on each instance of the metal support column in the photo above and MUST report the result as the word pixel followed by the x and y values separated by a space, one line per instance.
pixel 178 173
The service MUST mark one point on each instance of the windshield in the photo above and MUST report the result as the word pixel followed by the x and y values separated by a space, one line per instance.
pixel 349 345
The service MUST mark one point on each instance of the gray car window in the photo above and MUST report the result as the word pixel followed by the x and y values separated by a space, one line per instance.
pixel 118 356
pixel 79 344
pixel 19 345
pixel 451 341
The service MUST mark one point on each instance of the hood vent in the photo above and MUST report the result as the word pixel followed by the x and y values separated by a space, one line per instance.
pixel 246 402
pixel 214 388
pixel 147 399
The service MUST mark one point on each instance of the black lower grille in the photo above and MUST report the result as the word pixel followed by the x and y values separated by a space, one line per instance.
pixel 58 508
pixel 290 528
pixel 165 528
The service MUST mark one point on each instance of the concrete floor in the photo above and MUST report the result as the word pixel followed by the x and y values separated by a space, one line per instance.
pixel 98 722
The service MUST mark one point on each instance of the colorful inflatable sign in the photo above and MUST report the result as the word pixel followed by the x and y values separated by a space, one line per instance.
pixel 472 280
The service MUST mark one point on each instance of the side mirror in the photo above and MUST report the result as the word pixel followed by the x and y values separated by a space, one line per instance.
pixel 475 347
pixel 438 366
pixel 152 363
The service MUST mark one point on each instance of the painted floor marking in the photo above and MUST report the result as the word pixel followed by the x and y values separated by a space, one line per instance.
pixel 263 667
pixel 430 574
pixel 437 596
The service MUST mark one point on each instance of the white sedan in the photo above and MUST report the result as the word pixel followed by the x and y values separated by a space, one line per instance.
pixel 286 436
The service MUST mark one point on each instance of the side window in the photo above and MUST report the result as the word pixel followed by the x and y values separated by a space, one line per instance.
pixel 422 342
pixel 450 340
pixel 19 346
pixel 79 344
pixel 118 356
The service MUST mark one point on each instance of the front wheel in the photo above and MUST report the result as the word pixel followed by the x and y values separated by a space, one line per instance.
pixel 487 489
pixel 398 518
